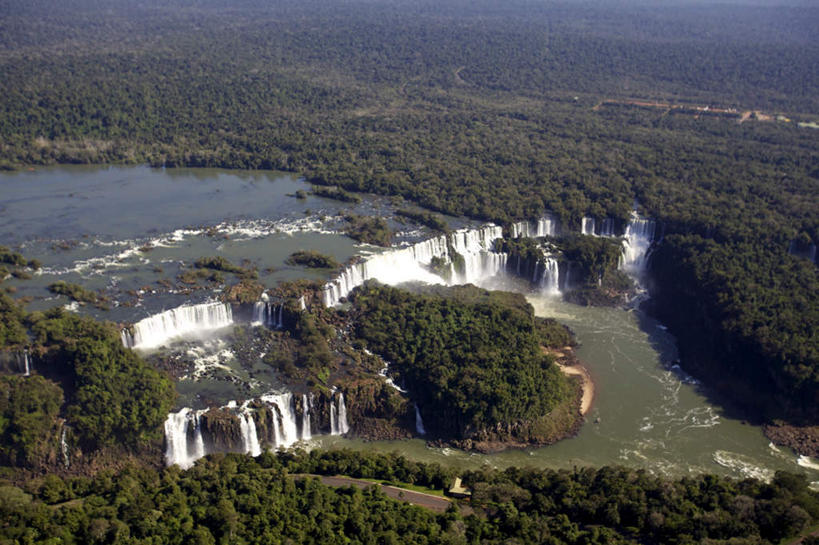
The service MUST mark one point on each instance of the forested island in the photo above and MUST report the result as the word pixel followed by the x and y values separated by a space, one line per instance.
pixel 699 117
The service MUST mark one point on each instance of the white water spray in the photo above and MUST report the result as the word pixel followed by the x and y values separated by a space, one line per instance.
pixel 419 422
pixel 160 328
pixel 412 263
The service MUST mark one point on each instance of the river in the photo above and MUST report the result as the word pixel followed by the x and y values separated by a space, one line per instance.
pixel 129 232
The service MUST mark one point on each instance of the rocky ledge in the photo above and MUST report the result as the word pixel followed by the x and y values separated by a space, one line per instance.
pixel 803 439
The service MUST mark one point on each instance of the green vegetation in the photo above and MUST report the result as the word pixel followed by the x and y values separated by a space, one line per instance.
pixel 433 221
pixel 28 420
pixel 368 229
pixel 194 276
pixel 246 291
pixel 761 338
pixel 236 499
pixel 18 264
pixel 106 393
pixel 336 194
pixel 75 292
pixel 552 334
pixel 470 358
pixel 594 257
pixel 312 259
pixel 219 263
pixel 113 396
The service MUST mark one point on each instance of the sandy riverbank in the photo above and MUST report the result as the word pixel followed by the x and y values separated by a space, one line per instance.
pixel 570 366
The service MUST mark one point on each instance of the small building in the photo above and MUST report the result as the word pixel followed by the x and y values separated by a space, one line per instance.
pixel 458 490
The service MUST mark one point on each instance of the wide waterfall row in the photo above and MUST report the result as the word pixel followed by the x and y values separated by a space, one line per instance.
pixel 412 263
pixel 187 438
pixel 268 314
pixel 159 328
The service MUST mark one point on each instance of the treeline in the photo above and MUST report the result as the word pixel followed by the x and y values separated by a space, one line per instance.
pixel 471 359
pixel 238 499
pixel 746 318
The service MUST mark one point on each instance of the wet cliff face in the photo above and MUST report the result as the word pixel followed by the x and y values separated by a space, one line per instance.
pixel 221 431
pixel 377 410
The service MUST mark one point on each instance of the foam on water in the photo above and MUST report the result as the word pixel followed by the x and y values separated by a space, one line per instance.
pixel 742 465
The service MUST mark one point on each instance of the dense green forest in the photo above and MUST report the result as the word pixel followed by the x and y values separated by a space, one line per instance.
pixel 479 109
pixel 238 499
pixel 471 359
pixel 762 333
pixel 86 384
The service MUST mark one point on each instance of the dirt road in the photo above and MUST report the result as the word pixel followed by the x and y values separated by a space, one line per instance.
pixel 428 501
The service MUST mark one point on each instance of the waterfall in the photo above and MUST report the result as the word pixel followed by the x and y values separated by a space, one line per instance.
pixel 179 448
pixel 64 447
pixel 411 263
pixel 587 226
pixel 543 227
pixel 277 430
pixel 287 433
pixel 26 364
pixel 343 427
pixel 268 314
pixel 176 437
pixel 550 279
pixel 302 303
pixel 419 422
pixel 606 228
pixel 640 233
pixel 198 441
pixel 802 250
pixel 306 433
pixel 333 420
pixel 185 442
pixel 250 440
pixel 159 328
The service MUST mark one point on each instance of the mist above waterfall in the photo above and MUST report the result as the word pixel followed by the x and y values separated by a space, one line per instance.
pixel 271 421
pixel 158 329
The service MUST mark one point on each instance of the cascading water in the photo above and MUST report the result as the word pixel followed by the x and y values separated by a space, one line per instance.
pixel 286 433
pixel 550 278
pixel 640 233
pixel 333 420
pixel 306 432
pixel 250 439
pixel 176 439
pixel 26 364
pixel 543 227
pixel 419 422
pixel 159 328
pixel 343 427
pixel 185 442
pixel 587 226
pixel 64 447
pixel 412 262
pixel 268 314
